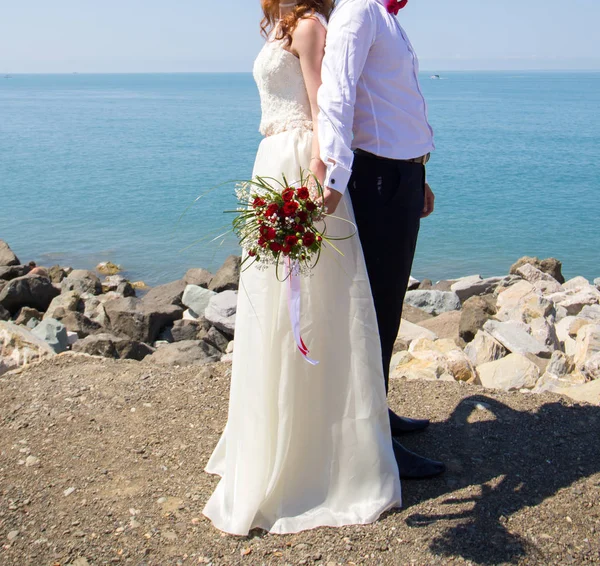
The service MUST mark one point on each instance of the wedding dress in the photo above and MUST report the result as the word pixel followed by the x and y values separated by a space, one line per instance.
pixel 304 446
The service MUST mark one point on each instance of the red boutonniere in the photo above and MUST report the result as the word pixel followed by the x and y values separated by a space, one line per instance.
pixel 394 6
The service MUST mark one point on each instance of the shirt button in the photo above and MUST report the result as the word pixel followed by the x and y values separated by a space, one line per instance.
pixel 333 181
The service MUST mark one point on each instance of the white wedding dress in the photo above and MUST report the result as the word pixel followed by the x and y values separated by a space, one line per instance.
pixel 304 446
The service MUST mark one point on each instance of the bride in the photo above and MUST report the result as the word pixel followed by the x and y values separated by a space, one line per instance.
pixel 304 446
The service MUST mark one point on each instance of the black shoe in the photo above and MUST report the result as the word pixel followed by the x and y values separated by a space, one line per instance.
pixel 414 467
pixel 402 425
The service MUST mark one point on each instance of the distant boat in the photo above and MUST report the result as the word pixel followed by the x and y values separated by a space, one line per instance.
pixel 436 77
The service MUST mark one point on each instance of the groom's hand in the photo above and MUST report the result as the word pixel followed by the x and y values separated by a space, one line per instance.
pixel 429 206
pixel 331 199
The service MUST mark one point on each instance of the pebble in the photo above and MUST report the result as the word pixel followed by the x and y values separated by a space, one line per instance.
pixel 31 461
pixel 69 491
pixel 12 535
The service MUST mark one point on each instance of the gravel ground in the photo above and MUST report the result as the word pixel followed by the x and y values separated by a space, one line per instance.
pixel 101 462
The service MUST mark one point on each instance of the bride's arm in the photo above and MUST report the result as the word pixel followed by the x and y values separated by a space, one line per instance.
pixel 308 44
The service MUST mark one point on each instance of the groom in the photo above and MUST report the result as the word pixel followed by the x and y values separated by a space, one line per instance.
pixel 375 140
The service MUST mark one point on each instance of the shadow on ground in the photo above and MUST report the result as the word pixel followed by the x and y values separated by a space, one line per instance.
pixel 515 459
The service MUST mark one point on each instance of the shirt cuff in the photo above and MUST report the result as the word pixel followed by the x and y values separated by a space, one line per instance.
pixel 337 177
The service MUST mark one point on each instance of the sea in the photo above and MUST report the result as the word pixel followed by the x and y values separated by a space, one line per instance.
pixel 111 167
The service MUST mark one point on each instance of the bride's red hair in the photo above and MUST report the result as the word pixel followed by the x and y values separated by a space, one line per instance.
pixel 290 21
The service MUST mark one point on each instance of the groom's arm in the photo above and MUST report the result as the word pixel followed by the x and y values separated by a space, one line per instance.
pixel 350 35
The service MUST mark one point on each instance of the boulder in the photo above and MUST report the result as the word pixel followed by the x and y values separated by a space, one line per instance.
pixel 551 266
pixel 54 333
pixel 28 291
pixel 26 314
pixel 591 312
pixel 560 365
pixel 94 308
pixel 511 297
pixel 575 303
pixel 19 347
pixel 433 302
pixel 475 313
pixel 588 344
pixel 550 383
pixel 221 311
pixel 445 325
pixel 198 276
pixel 228 276
pixel 118 284
pixel 597 283
pixel 543 330
pixel 414 315
pixel 185 330
pixel 484 349
pixel 9 272
pixel 4 314
pixel 512 373
pixel 515 338
pixel 110 346
pixel 569 326
pixel 444 285
pixel 217 339
pixel 7 256
pixel 108 268
pixel 413 283
pixel 425 285
pixel 79 324
pixel 447 355
pixel 533 274
pixel 82 281
pixel 409 332
pixel 62 304
pixel 168 294
pixel 139 319
pixel 591 367
pixel 186 353
pixel 587 393
pixel 58 273
pixel 474 285
pixel 430 368
pixel 196 298
pixel 576 284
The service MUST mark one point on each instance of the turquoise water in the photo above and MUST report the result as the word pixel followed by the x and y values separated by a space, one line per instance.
pixel 101 167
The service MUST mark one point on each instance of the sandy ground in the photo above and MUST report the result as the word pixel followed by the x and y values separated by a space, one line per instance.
pixel 101 462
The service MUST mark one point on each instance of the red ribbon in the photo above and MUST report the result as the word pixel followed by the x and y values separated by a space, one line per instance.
pixel 394 6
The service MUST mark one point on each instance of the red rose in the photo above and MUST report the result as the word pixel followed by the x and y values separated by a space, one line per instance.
pixel 303 193
pixel 298 228
pixel 290 208
pixel 286 249
pixel 275 246
pixel 291 240
pixel 271 234
pixel 251 253
pixel 311 206
pixel 309 239
pixel 258 202
pixel 262 242
pixel 263 230
pixel 288 194
pixel 302 216
pixel 272 209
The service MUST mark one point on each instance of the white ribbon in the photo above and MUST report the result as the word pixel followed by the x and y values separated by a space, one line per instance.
pixel 294 296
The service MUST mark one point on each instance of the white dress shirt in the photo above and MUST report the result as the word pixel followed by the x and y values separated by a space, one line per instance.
pixel 370 97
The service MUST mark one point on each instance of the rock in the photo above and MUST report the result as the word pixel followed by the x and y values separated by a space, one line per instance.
pixel 445 285
pixel 569 326
pixel 31 461
pixel 414 315
pixel 533 274
pixel 140 319
pixel 82 281
pixel 591 312
pixel 588 344
pixel 228 276
pixel 108 268
pixel 587 393
pixel 576 284
pixel 425 285
pixel 413 283
pixel 26 314
pixel 185 353
pixel 9 272
pixel 484 349
pixel 221 311
pixel 29 291
pixel 216 338
pixel 53 333
pixel 443 357
pixel 433 302
pixel 409 332
pixel 431 368
pixel 475 312
pixel 64 303
pixel 510 298
pixel 512 373
pixel 227 358
pixel 4 314
pixel 72 337
pixel 196 298
pixel 229 349
pixel 12 535
pixel 19 347
pixel 57 274
pixel 551 266
pixel 110 346
pixel 445 325
pixel 461 366
pixel 597 283
pixel 530 307
pixel 474 285
pixel 7 256
pixel 515 339
pixel 550 383
pixel 560 365
pixel 81 325
pixel 591 367
pixel 575 303
pixel 543 330
pixel 168 294
pixel 185 330
pixel 199 277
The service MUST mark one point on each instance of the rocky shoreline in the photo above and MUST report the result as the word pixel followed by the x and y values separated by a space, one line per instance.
pixel 528 331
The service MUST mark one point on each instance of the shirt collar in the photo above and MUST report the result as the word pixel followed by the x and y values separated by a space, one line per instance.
pixel 384 3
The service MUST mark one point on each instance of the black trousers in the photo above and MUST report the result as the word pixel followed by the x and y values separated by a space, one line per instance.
pixel 388 198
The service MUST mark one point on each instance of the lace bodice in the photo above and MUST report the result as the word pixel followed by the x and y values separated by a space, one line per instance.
pixel 284 100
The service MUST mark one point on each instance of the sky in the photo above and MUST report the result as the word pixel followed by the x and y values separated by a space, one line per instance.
pixel 102 36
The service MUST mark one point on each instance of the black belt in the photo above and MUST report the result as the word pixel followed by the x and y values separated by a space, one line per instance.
pixel 423 159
